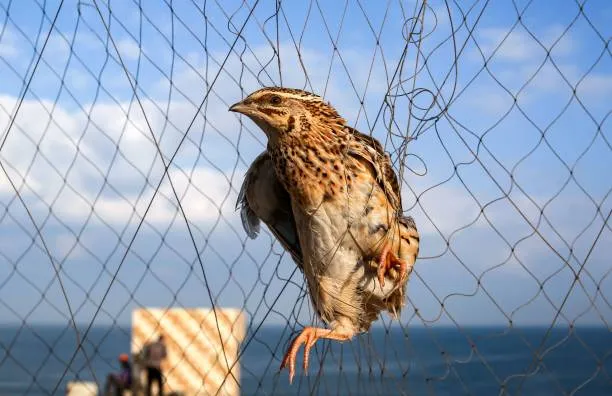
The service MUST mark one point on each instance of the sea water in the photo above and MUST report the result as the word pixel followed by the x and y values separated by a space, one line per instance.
pixel 39 359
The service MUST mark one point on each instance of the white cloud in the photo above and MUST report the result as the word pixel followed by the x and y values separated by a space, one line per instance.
pixel 8 44
pixel 57 46
pixel 519 68
pixel 56 49
pixel 518 45
pixel 201 199
pixel 593 89
pixel 66 246
pixel 128 49
pixel 595 86
pixel 443 209
pixel 489 100
pixel 58 172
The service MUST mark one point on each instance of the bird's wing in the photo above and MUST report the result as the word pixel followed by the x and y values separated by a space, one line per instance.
pixel 250 221
pixel 263 197
pixel 369 149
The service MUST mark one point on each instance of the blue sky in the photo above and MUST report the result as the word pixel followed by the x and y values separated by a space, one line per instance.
pixel 502 220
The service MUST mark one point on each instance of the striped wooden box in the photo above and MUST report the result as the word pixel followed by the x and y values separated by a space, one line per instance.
pixel 196 341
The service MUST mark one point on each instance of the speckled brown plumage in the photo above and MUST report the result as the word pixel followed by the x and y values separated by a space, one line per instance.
pixel 345 212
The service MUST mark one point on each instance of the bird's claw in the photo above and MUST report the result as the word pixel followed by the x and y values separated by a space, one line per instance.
pixel 387 261
pixel 308 337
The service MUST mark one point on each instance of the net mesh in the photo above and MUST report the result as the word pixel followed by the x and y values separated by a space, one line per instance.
pixel 121 166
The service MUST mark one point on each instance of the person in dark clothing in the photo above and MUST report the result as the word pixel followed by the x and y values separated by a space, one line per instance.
pixel 121 381
pixel 154 354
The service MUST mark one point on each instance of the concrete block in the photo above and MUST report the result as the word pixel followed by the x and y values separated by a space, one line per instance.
pixel 81 388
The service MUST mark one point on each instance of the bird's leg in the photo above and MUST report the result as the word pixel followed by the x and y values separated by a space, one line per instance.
pixel 308 337
pixel 387 260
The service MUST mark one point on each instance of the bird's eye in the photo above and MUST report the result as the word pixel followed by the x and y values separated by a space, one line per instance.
pixel 275 100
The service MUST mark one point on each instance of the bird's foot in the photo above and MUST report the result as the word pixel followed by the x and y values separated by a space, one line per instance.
pixel 389 260
pixel 308 337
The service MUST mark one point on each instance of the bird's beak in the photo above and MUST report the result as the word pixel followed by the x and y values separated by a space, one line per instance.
pixel 239 107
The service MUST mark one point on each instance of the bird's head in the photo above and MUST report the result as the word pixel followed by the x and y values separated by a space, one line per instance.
pixel 283 111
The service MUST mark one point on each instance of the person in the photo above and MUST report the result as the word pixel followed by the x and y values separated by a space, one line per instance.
pixel 154 353
pixel 120 381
